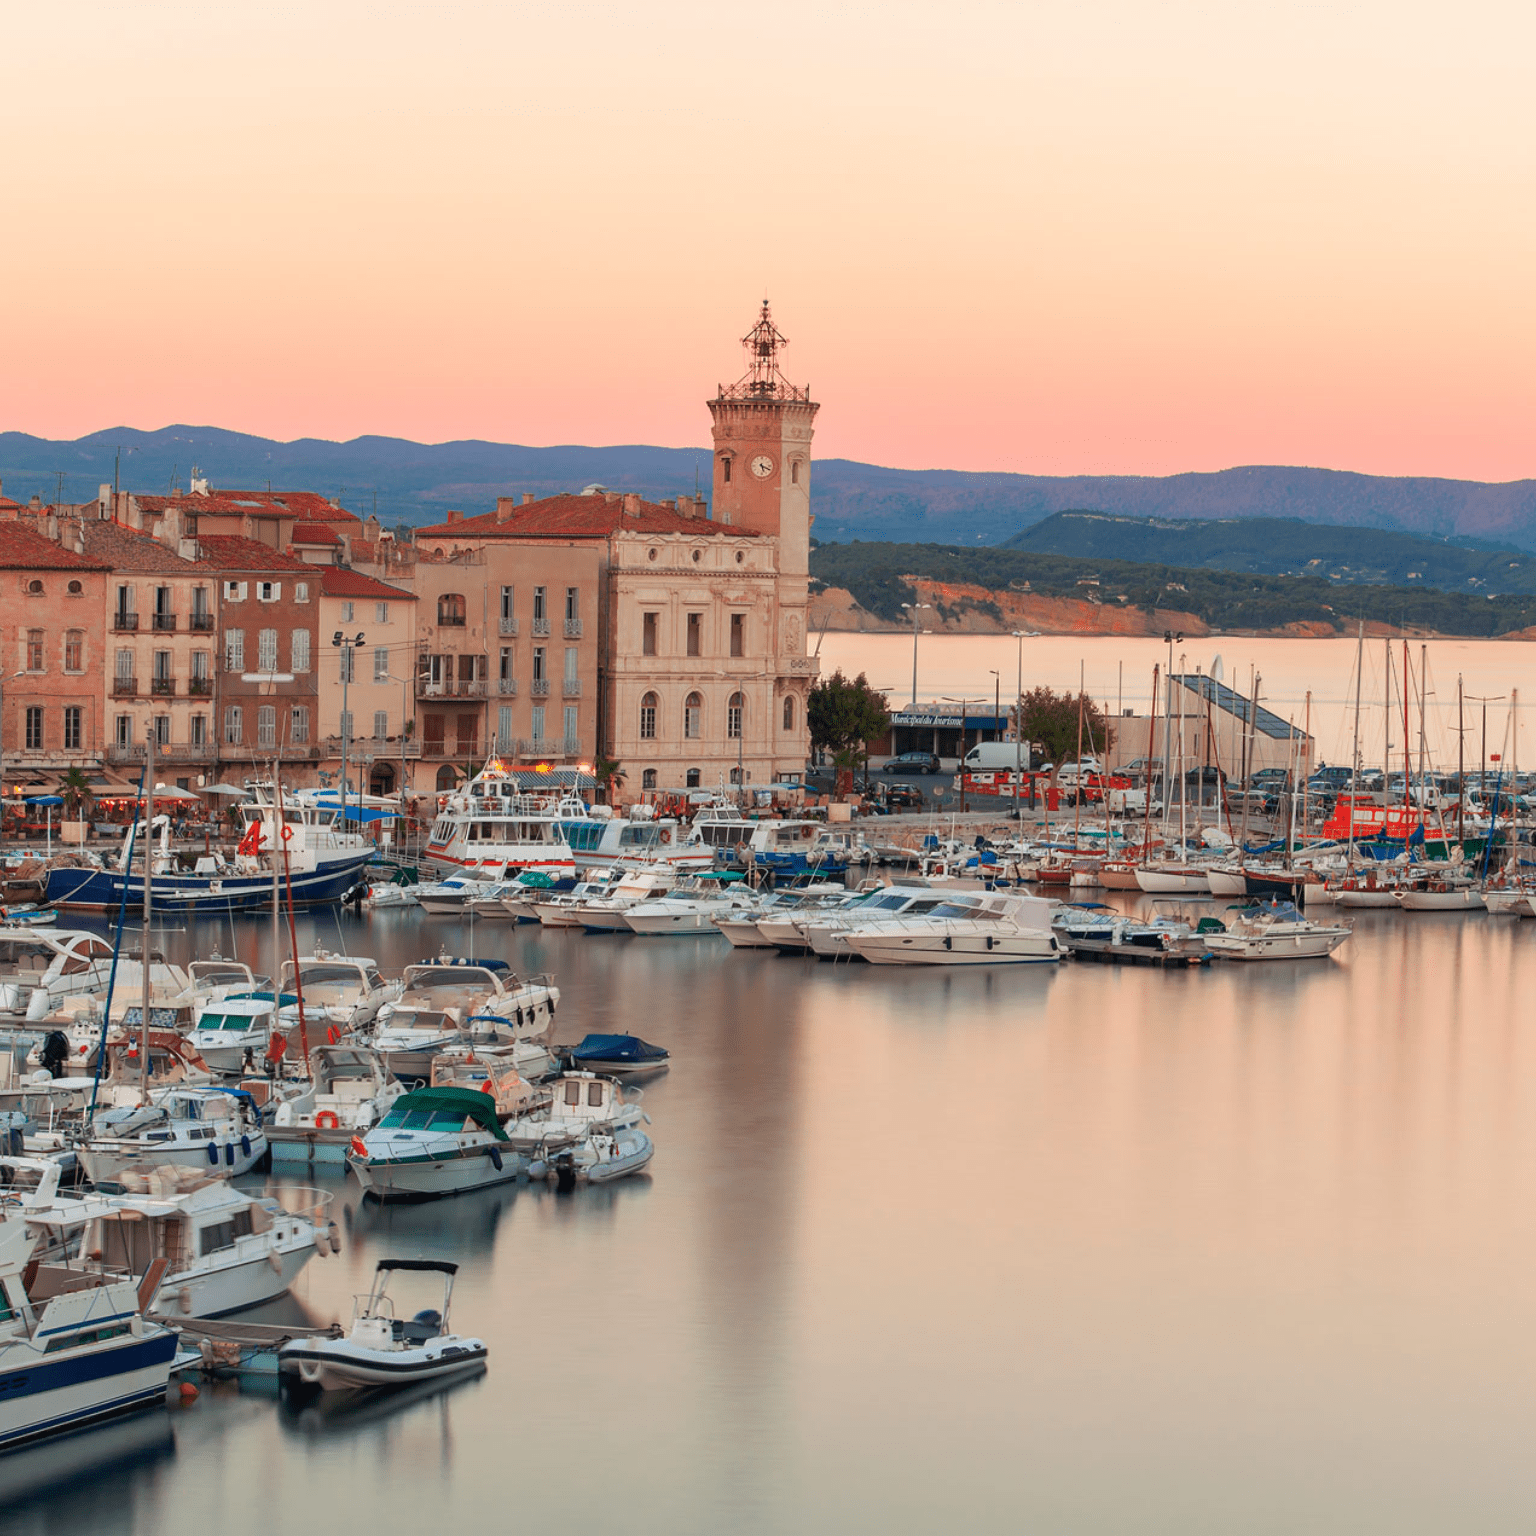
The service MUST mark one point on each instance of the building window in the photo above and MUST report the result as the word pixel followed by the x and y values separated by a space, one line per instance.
pixel 506 674
pixel 162 672
pixel 648 779
pixel 651 622
pixel 508 612
pixel 123 667
pixel 571 655
pixel 122 730
pixel 789 713
pixel 301 591
pixel 538 664
pixel 74 651
pixel 738 634
pixel 34 729
pixel 268 592
pixel 433 727
pixel 725 471
pixel 695 634
pixel 380 664
pixel 234 591
pixel 298 649
pixel 733 713
pixel 735 775
pixel 266 725
pixel 572 726
pixel 537 722
pixel 200 615
pixel 34 588
pixel 381 613
pixel 451 610
pixel 344 672
pixel 468 727
pixel 572 605
pixel 233 724
pixel 540 608
pixel 446 777
pixel 266 650
pixel 34 650
pixel 346 613
pixel 75 589
pixel 693 716
pixel 199 730
pixel 298 725
pixel 692 780
pixel 234 652
pixel 380 724
pixel 347 733
pixel 648 707
pixel 72 720
pixel 162 730
pixel 504 728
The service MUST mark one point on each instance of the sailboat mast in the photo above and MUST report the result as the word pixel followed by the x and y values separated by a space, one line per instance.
pixel 1407 745
pixel 1354 759
pixel 1146 804
pixel 1461 767
pixel 1077 796
pixel 149 897
pixel 1253 711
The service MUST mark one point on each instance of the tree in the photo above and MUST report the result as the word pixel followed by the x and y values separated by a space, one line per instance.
pixel 1051 719
pixel 610 775
pixel 75 790
pixel 844 717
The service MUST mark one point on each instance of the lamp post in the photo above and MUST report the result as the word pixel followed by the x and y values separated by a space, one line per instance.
pixel 913 608
pixel 964 705
pixel 2 748
pixel 1018 722
pixel 1170 639
pixel 349 648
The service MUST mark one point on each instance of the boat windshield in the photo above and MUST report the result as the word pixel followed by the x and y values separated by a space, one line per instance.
pixel 226 1021
pixel 429 978
pixel 958 909
pixel 426 1120
pixel 328 975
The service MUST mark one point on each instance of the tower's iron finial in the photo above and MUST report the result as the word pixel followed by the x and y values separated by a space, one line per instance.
pixel 763 380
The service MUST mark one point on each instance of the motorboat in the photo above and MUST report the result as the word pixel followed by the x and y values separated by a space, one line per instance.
pixel 41 967
pixel 447 897
pixel 988 928
pixel 604 913
pixel 1270 931
pixel 1106 934
pixel 1515 899
pixel 352 1092
pixel 619 1055
pixel 344 992
pixel 492 828
pixel 827 935
pixel 390 893
pixel 382 1350
pixel 490 901
pixel 103 1357
pixel 589 1133
pixel 222 1249
pixel 530 887
pixel 434 1142
pixel 598 838
pixel 517 1041
pixel 212 1129
pixel 557 909
pixel 689 911
pixel 233 1033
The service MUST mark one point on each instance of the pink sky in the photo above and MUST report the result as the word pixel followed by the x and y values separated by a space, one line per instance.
pixel 1131 237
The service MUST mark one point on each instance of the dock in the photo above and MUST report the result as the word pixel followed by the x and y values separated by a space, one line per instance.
pixel 227 1347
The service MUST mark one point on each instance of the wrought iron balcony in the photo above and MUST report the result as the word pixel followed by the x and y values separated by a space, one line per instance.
pixel 570 688
pixel 549 746
pixel 200 687
pixel 165 621
pixel 507 687
pixel 124 687
pixel 201 621
pixel 123 623
pixel 541 626
pixel 164 686
pixel 573 629
pixel 451 688
pixel 507 627
pixel 539 687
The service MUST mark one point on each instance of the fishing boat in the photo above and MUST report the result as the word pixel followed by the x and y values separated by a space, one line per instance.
pixel 301 850
pixel 76 1357
pixel 382 1350
pixel 490 826
pixel 1271 931
pixel 434 1142
pixel 988 928
pixel 352 1092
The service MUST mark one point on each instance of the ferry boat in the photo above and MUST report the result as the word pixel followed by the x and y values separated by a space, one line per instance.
pixel 316 859
pixel 490 829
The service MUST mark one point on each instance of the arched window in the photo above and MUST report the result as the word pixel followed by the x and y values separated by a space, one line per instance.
pixel 733 714
pixel 74 651
pixel 725 469
pixel 648 707
pixel 446 777
pixel 692 779
pixel 648 779
pixel 451 610
pixel 794 473
pixel 735 775
pixel 75 589
pixel 693 716
pixel 34 589
pixel 789 712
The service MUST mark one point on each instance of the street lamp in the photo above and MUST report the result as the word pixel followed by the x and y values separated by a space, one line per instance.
pixel 1018 722
pixel 964 705
pixel 349 647
pixel 913 608
pixel 2 747
pixel 405 714
pixel 1170 639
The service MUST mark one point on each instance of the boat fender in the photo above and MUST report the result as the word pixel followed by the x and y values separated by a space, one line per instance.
pixel 245 1146
pixel 184 1299
pixel 359 1147
pixel 229 1154
pixel 213 1154
pixel 322 1242
pixel 949 943
pixel 326 1120
pixel 332 1034
pixel 494 1153
pixel 333 1232
pixel 276 1261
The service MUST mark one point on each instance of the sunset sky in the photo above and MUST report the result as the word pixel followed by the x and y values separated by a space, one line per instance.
pixel 1120 237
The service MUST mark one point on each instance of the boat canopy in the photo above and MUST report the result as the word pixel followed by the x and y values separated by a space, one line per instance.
pixel 628 1048
pixel 724 876
pixel 480 1107
pixel 480 965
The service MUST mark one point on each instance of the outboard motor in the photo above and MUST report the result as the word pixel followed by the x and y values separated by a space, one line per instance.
pixel 54 1056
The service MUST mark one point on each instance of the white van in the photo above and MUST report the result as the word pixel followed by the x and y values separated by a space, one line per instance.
pixel 991 756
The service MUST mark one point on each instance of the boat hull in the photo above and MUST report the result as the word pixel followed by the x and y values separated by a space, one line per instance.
pixel 1308 946
pixel 967 949
pixel 1441 901
pixel 104 1162
pixel 672 924
pixel 103 890
pixel 336 1365
pixel 236 1287
pixel 1173 882
pixel 435 1177
pixel 54 1396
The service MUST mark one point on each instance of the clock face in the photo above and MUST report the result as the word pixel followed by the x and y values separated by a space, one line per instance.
pixel 762 466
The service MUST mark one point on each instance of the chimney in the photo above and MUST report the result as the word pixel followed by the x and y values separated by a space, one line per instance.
pixel 453 517
pixel 631 504
pixel 503 509
pixel 671 506
pixel 527 498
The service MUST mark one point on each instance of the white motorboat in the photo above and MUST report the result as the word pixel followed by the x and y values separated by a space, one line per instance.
pixel 557 909
pixel 434 1142
pixel 827 935
pixel 689 911
pixel 352 1093
pixel 988 928
pixel 491 827
pixel 41 967
pixel 382 1350
pixel 1510 900
pixel 73 1358
pixel 343 992
pixel 232 1034
pixel 447 897
pixel 588 1131
pixel 605 913
pixel 223 1249
pixel 212 1129
pixel 782 923
pixel 490 902
pixel 1271 931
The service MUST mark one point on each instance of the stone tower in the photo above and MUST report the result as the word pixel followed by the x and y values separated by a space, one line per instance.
pixel 762 432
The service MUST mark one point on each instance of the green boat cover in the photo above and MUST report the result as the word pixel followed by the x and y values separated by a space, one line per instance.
pixel 469 1101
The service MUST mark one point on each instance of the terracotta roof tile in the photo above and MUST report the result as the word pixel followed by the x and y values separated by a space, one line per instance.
pixel 338 581
pixel 307 506
pixel 231 552
pixel 23 549
pixel 580 517
pixel 314 533
pixel 126 549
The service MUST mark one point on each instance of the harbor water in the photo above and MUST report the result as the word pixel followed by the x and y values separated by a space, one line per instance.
pixel 1052 1249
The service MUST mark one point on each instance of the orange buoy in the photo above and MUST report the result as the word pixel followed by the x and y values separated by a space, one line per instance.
pixel 188 1392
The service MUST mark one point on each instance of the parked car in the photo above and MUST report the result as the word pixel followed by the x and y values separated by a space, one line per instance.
pixel 913 762
pixel 902 797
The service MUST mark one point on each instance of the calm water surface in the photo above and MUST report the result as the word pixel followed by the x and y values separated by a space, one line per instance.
pixel 1077 1250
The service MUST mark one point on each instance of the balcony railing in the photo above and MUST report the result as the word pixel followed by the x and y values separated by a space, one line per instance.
pixel 549 746
pixel 507 627
pixel 571 688
pixel 166 621
pixel 507 687
pixel 539 687
pixel 164 686
pixel 200 687
pixel 124 687
pixel 573 629
pixel 371 746
pixel 124 622
pixel 451 688
pixel 201 622
pixel 541 626
pixel 165 752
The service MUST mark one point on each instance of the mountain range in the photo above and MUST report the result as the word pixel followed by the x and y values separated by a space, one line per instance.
pixel 415 483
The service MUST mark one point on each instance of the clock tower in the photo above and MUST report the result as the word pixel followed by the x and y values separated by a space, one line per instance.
pixel 762 432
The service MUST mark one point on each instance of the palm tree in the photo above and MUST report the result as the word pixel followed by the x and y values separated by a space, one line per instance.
pixel 75 790
pixel 609 773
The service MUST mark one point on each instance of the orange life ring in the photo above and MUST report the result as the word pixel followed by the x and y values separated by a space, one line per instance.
pixel 332 1034
pixel 326 1120
pixel 666 834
